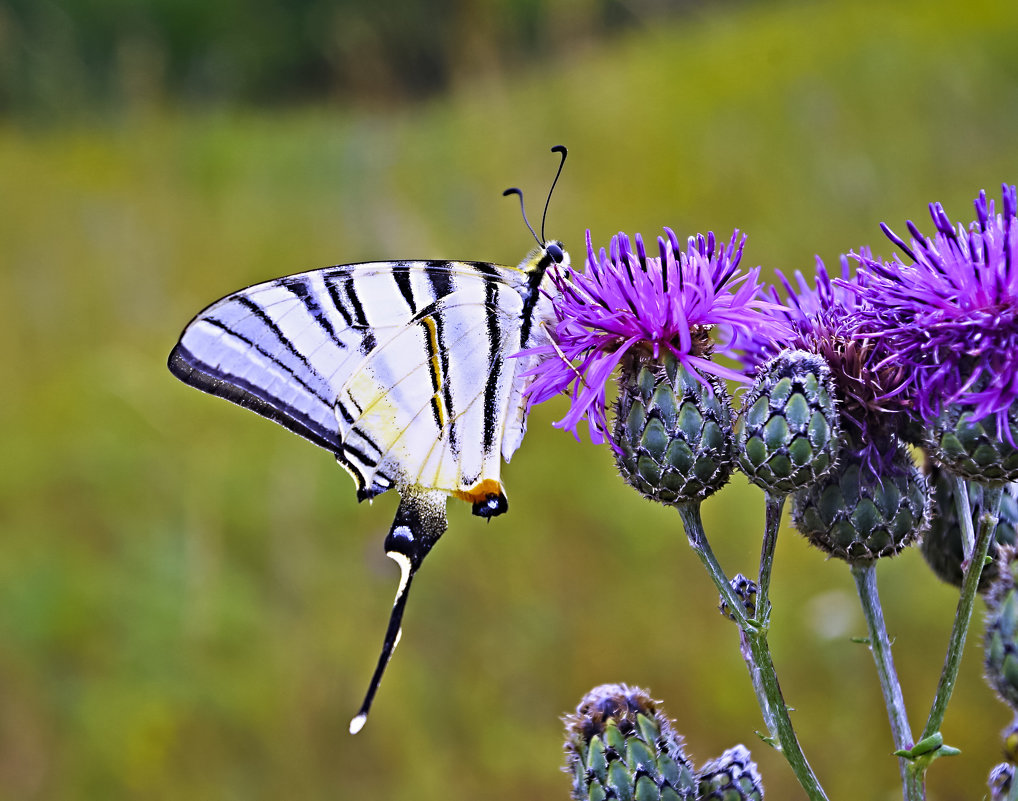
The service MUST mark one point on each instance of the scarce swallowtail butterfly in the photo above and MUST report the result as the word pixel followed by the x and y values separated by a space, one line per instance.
pixel 406 371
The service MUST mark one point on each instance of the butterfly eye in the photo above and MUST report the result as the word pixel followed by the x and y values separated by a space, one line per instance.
pixel 556 253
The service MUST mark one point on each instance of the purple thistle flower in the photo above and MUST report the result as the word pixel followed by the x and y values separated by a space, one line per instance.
pixel 947 316
pixel 626 300
pixel 824 319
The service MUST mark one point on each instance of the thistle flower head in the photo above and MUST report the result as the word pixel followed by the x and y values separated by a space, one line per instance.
pixel 627 300
pixel 824 319
pixel 864 509
pixel 789 432
pixel 946 310
pixel 733 776
pixel 942 543
pixel 619 744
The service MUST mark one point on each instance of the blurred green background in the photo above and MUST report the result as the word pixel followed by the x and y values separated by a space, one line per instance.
pixel 191 601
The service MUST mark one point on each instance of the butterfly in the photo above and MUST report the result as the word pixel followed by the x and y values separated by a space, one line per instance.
pixel 406 371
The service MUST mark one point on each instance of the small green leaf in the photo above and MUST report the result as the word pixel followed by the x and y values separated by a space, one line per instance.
pixel 928 744
pixel 928 749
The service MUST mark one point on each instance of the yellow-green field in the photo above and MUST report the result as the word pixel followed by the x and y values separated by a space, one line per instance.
pixel 191 601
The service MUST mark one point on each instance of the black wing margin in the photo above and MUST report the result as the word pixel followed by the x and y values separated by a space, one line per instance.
pixel 192 371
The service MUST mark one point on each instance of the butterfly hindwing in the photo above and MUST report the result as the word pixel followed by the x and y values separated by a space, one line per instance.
pixel 401 369
pixel 439 416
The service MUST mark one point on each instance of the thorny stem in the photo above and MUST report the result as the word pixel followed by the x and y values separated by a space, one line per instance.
pixel 754 640
pixel 865 576
pixel 963 614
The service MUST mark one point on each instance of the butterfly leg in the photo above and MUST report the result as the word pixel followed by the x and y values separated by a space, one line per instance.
pixel 420 521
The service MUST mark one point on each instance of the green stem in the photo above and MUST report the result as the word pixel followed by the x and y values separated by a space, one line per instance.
pixel 690 514
pixel 865 576
pixel 962 617
pixel 964 512
pixel 775 503
pixel 758 656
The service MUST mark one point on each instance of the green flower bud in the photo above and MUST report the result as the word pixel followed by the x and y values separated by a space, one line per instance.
pixel 1001 642
pixel 975 449
pixel 619 745
pixel 942 543
pixel 733 776
pixel 787 434
pixel 745 590
pixel 673 434
pixel 863 511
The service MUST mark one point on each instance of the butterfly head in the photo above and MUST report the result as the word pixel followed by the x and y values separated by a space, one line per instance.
pixel 555 251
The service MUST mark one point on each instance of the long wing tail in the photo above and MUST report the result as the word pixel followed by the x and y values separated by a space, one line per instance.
pixel 420 521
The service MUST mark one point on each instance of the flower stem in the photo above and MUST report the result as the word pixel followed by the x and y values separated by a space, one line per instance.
pixel 962 616
pixel 865 576
pixel 775 503
pixel 690 514
pixel 964 512
pixel 970 584
pixel 755 648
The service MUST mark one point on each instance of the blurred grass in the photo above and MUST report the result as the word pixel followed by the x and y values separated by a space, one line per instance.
pixel 190 599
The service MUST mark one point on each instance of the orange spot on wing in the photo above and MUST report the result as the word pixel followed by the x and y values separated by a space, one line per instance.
pixel 480 492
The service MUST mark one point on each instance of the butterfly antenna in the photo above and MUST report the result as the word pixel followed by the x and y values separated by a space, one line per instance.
pixel 512 190
pixel 420 521
pixel 557 149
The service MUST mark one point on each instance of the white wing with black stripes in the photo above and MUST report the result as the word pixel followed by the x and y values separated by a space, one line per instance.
pixel 403 370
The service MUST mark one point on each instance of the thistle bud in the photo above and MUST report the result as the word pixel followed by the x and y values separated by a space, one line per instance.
pixel 865 508
pixel 619 745
pixel 787 434
pixel 733 776
pixel 673 433
pixel 1001 643
pixel 745 590
pixel 1000 780
pixel 942 543
pixel 975 449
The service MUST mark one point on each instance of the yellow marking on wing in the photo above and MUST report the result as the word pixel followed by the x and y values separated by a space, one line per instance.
pixel 380 417
pixel 437 379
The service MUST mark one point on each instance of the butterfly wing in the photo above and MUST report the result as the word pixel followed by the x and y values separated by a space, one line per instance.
pixel 435 392
pixel 401 369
